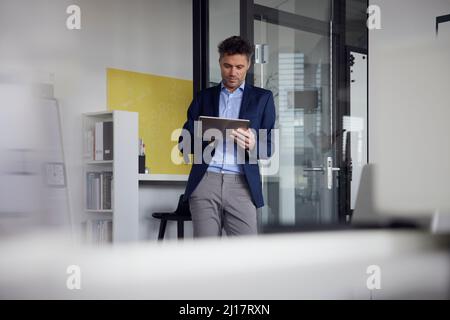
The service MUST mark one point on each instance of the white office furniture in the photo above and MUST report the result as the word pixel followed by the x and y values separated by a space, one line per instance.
pixel 124 213
pixel 164 177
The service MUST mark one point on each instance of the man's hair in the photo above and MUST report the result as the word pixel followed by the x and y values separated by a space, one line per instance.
pixel 235 45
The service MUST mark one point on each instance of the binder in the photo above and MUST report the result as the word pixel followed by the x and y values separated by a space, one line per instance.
pixel 99 141
pixel 108 140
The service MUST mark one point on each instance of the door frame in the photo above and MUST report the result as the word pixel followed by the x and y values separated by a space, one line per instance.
pixel 340 82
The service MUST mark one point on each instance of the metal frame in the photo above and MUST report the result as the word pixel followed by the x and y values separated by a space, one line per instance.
pixel 441 19
pixel 290 20
pixel 200 41
pixel 340 80
pixel 349 50
pixel 346 179
pixel 246 29
pixel 341 105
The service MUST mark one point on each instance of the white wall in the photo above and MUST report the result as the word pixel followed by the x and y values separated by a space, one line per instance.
pixel 409 106
pixel 152 36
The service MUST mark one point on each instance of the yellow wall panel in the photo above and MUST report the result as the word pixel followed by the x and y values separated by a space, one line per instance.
pixel 162 104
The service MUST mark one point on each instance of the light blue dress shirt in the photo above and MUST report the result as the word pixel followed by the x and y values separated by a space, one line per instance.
pixel 229 107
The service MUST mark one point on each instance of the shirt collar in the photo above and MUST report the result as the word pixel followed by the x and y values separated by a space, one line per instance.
pixel 241 87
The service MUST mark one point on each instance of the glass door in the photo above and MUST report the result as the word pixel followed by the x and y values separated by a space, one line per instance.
pixel 293 59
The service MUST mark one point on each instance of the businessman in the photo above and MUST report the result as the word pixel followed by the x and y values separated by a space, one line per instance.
pixel 225 191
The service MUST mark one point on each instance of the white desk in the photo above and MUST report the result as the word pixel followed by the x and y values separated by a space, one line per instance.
pixel 163 177
pixel 160 193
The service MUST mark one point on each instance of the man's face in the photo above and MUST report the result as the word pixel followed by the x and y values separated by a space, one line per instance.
pixel 233 69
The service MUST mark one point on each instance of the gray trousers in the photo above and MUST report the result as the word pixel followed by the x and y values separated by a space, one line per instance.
pixel 222 201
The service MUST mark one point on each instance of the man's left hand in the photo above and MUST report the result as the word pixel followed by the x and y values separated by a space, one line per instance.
pixel 244 138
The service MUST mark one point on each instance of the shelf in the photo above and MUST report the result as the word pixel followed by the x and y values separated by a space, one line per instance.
pixel 98 211
pixel 122 188
pixel 163 177
pixel 99 162
pixel 98 114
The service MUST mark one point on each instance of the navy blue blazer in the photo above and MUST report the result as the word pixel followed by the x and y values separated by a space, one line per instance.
pixel 258 107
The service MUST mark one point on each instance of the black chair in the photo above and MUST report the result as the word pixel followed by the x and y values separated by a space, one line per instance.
pixel 181 214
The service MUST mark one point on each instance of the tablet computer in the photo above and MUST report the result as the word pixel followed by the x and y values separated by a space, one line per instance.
pixel 222 124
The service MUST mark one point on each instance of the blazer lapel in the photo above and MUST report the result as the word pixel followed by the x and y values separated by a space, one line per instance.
pixel 245 101
pixel 216 101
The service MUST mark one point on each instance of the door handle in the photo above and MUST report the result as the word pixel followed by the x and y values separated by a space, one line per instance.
pixel 316 169
pixel 329 169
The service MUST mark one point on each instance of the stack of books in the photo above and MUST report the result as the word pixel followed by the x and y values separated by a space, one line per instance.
pixel 99 190
pixel 99 142
pixel 97 231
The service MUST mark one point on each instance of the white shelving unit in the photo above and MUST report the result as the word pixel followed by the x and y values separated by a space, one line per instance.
pixel 163 177
pixel 124 213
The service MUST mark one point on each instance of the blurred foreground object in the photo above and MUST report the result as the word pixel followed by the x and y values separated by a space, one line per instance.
pixel 33 190
pixel 323 265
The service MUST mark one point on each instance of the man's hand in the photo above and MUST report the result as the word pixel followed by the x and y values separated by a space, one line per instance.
pixel 244 138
